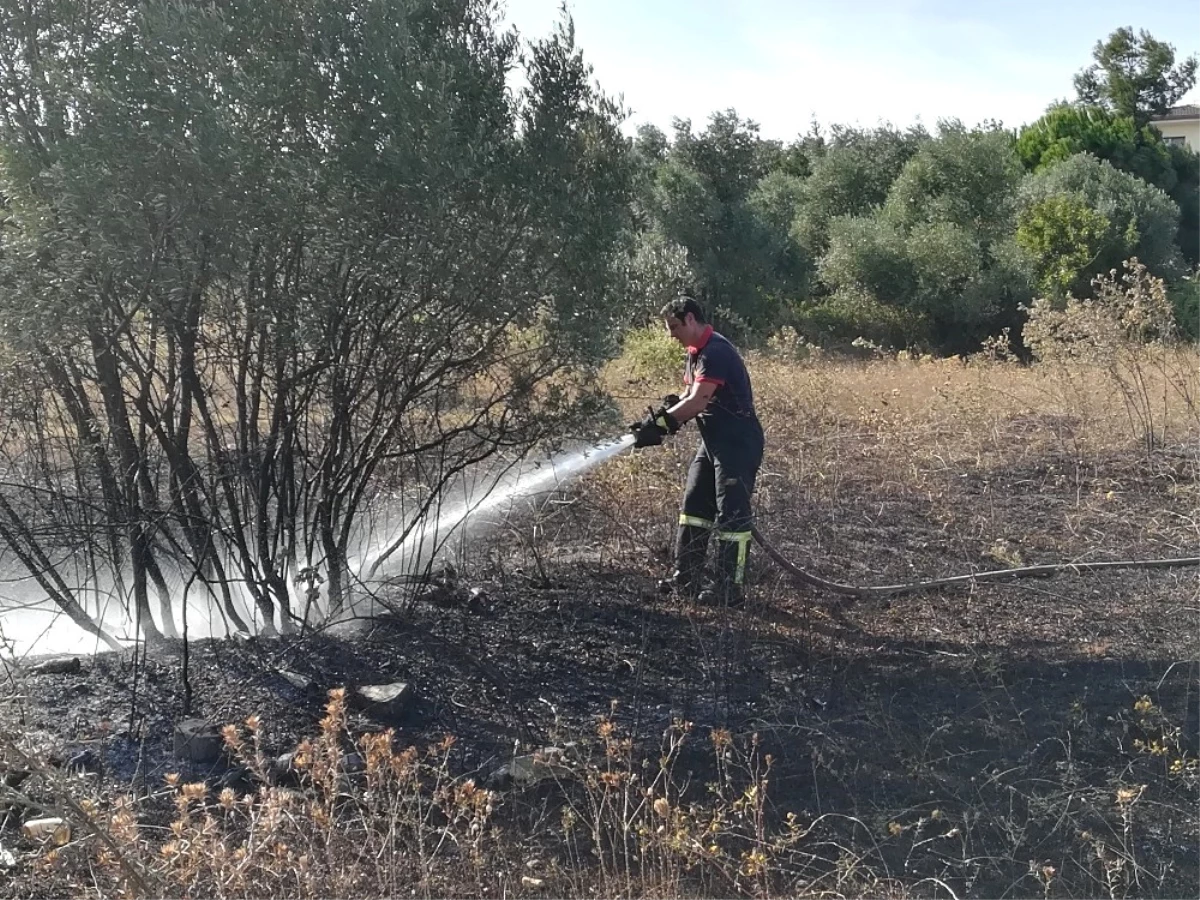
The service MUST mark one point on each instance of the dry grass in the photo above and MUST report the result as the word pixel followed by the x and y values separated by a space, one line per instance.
pixel 879 469
pixel 891 427
pixel 895 469
pixel 367 817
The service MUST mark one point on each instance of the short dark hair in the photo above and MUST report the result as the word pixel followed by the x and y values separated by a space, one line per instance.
pixel 681 306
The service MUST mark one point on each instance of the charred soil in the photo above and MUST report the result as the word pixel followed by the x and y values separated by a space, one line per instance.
pixel 1033 738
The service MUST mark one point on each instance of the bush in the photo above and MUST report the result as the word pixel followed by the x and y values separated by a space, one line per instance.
pixel 851 313
pixel 869 255
pixel 790 345
pixel 969 178
pixel 651 354
pixel 1064 235
pixel 1185 304
pixel 1142 221
pixel 851 179
pixel 1127 309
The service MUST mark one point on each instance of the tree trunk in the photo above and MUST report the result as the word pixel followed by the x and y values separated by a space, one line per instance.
pixel 17 535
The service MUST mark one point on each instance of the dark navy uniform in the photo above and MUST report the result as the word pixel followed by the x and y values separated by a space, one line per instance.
pixel 721 478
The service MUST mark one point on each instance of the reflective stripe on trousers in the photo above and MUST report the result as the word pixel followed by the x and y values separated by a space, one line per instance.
pixel 695 521
pixel 742 539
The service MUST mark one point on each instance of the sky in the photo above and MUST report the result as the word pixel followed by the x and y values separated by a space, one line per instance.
pixel 782 63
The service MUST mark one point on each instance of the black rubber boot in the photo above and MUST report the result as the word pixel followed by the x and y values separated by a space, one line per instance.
pixel 691 546
pixel 722 594
pixel 729 589
pixel 679 583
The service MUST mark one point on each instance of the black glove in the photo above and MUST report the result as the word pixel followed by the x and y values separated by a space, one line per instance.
pixel 665 418
pixel 651 430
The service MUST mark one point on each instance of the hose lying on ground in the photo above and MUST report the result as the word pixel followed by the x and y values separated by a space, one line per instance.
pixel 892 590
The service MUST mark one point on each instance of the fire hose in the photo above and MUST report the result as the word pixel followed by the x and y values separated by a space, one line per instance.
pixel 892 590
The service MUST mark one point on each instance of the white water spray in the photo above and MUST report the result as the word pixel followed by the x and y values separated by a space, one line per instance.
pixel 32 625
pixel 384 556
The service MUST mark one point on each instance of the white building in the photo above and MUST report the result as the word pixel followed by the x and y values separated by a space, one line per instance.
pixel 1180 125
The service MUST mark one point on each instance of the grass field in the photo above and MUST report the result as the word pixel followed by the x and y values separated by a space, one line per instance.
pixel 1036 738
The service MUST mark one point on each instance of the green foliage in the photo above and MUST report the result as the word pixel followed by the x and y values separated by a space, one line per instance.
pixel 1135 75
pixel 940 248
pixel 945 259
pixel 852 314
pixel 1185 191
pixel 706 197
pixel 728 154
pixel 574 176
pixel 651 144
pixel 775 198
pixel 851 177
pixel 684 208
pixel 868 254
pixel 657 272
pixel 939 226
pixel 966 177
pixel 337 211
pixel 1070 128
pixel 650 148
pixel 1185 305
pixel 649 353
pixel 795 159
pixel 773 204
pixel 1064 235
pixel 1140 221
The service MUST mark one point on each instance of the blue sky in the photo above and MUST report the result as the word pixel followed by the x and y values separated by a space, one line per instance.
pixel 784 62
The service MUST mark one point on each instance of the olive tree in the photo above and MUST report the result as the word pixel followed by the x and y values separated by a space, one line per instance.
pixel 1083 217
pixel 938 254
pixel 267 265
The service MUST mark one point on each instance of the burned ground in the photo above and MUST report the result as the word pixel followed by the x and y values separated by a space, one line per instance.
pixel 1032 738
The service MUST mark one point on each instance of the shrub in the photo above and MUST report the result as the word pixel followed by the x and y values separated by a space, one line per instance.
pixel 851 313
pixel 1122 332
pixel 1132 307
pixel 651 354
pixel 1185 303
pixel 1141 220
pixel 1064 235
pixel 789 344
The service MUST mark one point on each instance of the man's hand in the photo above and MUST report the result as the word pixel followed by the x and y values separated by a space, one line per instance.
pixel 657 424
pixel 663 416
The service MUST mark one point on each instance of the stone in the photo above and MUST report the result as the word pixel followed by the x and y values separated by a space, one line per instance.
pixel 307 688
pixel 64 666
pixel 479 601
pixel 282 770
pixel 12 778
pixel 240 779
pixel 391 700
pixel 197 741
pixel 440 595
pixel 354 764
pixel 84 761
pixel 532 768
pixel 51 826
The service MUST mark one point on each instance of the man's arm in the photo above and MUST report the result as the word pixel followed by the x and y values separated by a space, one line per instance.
pixel 694 402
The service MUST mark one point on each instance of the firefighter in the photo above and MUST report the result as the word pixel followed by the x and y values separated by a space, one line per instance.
pixel 721 478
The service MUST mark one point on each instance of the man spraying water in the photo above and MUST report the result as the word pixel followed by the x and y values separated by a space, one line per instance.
pixel 721 477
